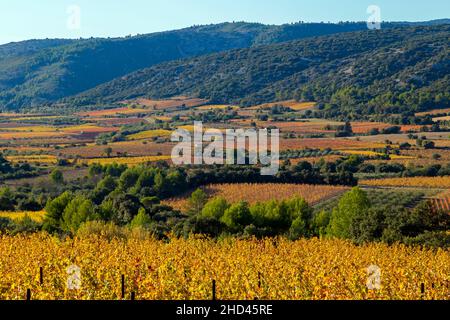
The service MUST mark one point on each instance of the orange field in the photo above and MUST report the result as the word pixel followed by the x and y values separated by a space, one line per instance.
pixel 130 161
pixel 330 158
pixel 9 114
pixel 365 127
pixel 413 128
pixel 131 148
pixel 335 144
pixel 253 193
pixel 441 204
pixel 442 201
pixel 30 135
pixel 433 112
pixel 446 118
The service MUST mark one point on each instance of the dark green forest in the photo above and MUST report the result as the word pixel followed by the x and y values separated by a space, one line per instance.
pixel 41 71
pixel 36 73
pixel 351 75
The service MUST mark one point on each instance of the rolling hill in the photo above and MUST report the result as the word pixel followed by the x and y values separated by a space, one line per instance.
pixel 398 70
pixel 37 72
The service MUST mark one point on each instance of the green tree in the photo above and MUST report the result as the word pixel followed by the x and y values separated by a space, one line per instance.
pixel 351 205
pixel 142 220
pixel 149 202
pixel 197 201
pixel 108 151
pixel 77 211
pixel 215 208
pixel 95 169
pixel 103 189
pixel 54 211
pixel 7 201
pixel 237 217
pixel 122 207
pixel 57 176
pixel 129 178
pixel 320 223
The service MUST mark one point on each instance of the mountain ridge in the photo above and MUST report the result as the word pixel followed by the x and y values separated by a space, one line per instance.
pixel 398 65
pixel 39 72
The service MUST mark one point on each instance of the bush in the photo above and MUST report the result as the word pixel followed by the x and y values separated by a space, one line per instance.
pixel 104 229
pixel 350 206
pixel 438 239
pixel 26 225
pixel 215 208
pixel 142 220
pixel 237 217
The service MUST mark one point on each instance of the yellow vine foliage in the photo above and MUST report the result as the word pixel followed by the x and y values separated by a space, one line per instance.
pixel 243 269
pixel 37 216
pixel 261 192
pixel 426 182
pixel 131 161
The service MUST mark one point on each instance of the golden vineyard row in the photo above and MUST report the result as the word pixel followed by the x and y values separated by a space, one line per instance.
pixel 243 269
pixel 261 192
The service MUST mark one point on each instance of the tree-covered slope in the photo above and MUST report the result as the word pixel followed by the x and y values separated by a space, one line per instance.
pixel 37 72
pixel 381 71
pixel 41 71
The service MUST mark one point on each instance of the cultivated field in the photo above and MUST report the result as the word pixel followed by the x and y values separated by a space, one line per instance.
pixel 426 182
pixel 37 216
pixel 334 144
pixel 184 269
pixel 130 161
pixel 253 193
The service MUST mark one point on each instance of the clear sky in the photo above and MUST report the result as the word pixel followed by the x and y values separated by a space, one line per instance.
pixel 36 19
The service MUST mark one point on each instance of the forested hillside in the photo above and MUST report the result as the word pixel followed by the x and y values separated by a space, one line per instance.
pixel 400 70
pixel 37 72
pixel 41 71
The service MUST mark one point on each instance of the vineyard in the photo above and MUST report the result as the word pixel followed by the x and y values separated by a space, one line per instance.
pixel 113 112
pixel 131 161
pixel 442 201
pixel 37 216
pixel 149 134
pixel 131 148
pixel 335 144
pixel 184 269
pixel 442 204
pixel 253 193
pixel 426 182
pixel 47 159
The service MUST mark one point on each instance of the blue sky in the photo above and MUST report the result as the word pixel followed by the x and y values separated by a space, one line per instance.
pixel 31 19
